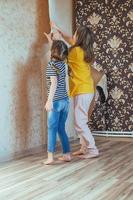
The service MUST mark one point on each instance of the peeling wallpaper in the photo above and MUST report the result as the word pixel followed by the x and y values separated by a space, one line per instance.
pixel 22 121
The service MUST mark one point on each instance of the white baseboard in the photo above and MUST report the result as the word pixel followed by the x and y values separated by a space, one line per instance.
pixel 113 133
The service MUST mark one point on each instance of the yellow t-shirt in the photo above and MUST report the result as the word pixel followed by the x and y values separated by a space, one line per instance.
pixel 80 79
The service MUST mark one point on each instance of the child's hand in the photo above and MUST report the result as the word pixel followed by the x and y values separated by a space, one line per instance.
pixel 53 25
pixel 56 36
pixel 48 36
pixel 49 105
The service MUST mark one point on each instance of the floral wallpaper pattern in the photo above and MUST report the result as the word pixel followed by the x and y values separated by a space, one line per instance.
pixel 112 24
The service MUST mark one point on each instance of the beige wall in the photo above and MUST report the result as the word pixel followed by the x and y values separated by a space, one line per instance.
pixel 22 122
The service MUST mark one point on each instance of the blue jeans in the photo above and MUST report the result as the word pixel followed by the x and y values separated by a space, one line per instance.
pixel 56 124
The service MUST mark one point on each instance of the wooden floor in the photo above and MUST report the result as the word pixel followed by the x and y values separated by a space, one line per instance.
pixel 109 177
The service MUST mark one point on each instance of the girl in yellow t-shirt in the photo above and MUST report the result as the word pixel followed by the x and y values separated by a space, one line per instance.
pixel 81 86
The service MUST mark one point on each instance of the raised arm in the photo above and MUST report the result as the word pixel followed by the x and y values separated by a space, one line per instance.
pixel 66 37
pixel 49 38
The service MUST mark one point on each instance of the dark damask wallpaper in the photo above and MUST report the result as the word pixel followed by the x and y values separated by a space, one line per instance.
pixel 112 24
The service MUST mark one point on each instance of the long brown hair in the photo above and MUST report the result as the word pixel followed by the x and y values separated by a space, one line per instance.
pixel 85 40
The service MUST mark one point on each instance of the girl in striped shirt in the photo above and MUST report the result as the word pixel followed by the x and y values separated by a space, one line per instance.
pixel 57 104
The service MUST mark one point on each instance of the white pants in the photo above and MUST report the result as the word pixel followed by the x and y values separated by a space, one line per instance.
pixel 81 106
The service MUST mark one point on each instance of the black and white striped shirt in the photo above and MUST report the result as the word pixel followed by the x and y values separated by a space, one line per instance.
pixel 58 69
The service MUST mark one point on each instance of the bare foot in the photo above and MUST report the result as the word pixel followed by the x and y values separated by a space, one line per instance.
pixel 88 155
pixel 65 158
pixel 77 153
pixel 48 162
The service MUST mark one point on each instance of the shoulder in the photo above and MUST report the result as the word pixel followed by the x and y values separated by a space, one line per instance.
pixel 75 50
pixel 79 50
pixel 76 53
pixel 49 64
pixel 59 64
pixel 50 71
pixel 72 52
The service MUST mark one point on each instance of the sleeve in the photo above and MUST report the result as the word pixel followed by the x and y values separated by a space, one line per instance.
pixel 50 70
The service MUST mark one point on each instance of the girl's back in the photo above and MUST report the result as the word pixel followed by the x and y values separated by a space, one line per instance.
pixel 58 69
pixel 80 79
